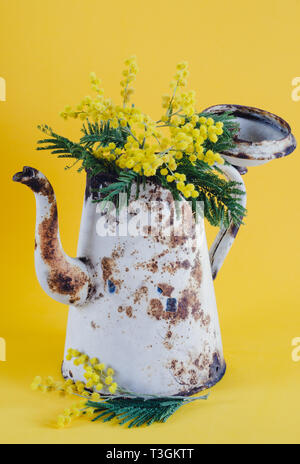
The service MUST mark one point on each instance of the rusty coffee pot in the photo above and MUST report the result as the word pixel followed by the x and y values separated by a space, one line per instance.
pixel 145 305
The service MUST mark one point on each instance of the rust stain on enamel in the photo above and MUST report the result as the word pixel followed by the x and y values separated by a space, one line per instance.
pixel 166 289
pixel 64 278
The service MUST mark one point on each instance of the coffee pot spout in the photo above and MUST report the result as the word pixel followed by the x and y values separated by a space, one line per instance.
pixel 65 279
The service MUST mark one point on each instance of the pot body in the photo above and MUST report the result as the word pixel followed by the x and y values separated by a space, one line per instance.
pixel 153 315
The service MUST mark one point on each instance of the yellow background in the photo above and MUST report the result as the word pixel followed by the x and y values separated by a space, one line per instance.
pixel 239 52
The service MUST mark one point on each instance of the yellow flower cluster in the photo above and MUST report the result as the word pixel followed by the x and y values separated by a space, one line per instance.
pixel 129 75
pixel 154 148
pixel 97 379
pixel 96 374
pixel 69 414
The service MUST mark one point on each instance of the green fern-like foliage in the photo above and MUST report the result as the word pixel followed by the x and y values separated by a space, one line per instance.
pixel 65 148
pixel 122 185
pixel 221 198
pixel 230 129
pixel 102 134
pixel 137 411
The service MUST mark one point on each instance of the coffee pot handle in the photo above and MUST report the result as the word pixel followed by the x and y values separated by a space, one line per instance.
pixel 226 236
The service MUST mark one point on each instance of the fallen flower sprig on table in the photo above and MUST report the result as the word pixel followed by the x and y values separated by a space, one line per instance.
pixel 100 398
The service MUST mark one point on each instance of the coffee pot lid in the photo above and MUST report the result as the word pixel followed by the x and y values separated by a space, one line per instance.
pixel 262 136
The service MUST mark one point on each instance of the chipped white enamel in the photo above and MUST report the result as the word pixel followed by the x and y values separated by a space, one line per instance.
pixel 153 351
